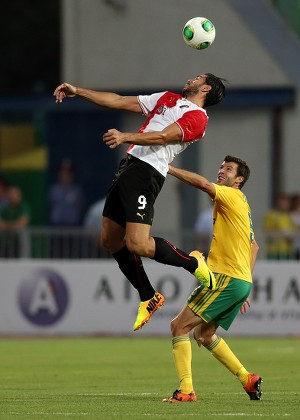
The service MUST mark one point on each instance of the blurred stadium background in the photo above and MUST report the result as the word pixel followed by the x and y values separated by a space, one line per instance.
pixel 133 47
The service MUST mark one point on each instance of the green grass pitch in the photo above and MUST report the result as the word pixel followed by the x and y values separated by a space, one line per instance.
pixel 126 378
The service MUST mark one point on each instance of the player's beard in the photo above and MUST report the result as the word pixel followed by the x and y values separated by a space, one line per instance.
pixel 190 91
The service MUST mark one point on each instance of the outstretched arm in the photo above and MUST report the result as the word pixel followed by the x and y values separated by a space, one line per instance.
pixel 170 134
pixel 105 99
pixel 193 179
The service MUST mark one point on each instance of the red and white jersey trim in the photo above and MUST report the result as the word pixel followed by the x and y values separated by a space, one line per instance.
pixel 161 110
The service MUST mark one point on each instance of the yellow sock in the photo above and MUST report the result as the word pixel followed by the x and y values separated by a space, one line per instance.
pixel 221 351
pixel 182 353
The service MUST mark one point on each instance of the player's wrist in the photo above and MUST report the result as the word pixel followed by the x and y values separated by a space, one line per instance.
pixel 78 91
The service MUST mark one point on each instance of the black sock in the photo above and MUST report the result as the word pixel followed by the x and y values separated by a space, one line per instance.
pixel 132 267
pixel 167 253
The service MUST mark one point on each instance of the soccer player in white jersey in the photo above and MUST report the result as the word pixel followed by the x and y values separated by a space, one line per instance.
pixel 173 122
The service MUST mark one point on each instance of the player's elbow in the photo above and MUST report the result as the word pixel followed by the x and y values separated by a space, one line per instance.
pixel 127 103
pixel 120 103
pixel 165 138
pixel 162 139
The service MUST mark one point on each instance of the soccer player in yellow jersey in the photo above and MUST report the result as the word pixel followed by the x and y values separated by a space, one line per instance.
pixel 231 258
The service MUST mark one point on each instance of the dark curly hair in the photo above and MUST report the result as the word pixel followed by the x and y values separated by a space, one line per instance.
pixel 217 91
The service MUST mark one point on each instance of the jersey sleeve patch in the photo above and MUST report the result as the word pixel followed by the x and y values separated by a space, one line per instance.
pixel 148 102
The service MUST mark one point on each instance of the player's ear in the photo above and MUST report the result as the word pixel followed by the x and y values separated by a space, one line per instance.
pixel 239 179
pixel 206 88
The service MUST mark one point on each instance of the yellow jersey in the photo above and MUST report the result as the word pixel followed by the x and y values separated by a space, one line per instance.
pixel 230 251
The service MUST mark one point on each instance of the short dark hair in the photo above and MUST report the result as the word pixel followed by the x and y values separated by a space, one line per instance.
pixel 217 91
pixel 242 169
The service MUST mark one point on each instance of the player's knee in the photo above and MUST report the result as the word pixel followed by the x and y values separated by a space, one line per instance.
pixel 111 243
pixel 198 339
pixel 105 240
pixel 134 248
pixel 207 337
pixel 173 327
pixel 137 247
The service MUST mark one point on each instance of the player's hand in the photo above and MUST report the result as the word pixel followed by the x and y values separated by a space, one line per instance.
pixel 245 306
pixel 65 90
pixel 113 138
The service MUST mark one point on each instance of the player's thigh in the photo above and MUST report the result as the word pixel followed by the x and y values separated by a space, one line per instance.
pixel 184 322
pixel 113 207
pixel 112 235
pixel 138 188
pixel 222 304
pixel 138 239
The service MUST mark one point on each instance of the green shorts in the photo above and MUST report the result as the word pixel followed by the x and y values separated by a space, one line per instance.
pixel 222 304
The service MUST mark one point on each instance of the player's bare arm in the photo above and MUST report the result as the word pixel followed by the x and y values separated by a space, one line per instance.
pixel 193 179
pixel 170 134
pixel 105 99
pixel 254 252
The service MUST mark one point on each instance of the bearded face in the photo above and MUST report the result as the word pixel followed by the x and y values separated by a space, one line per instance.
pixel 190 90
pixel 193 86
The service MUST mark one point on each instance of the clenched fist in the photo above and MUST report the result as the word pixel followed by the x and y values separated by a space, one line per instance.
pixel 65 90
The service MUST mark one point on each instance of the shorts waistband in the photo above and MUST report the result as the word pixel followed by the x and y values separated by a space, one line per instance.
pixel 130 157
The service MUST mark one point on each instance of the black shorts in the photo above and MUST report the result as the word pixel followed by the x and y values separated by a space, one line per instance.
pixel 133 192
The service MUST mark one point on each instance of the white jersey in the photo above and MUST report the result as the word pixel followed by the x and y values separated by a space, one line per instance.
pixel 163 109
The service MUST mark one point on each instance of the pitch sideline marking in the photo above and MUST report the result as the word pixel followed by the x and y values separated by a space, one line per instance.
pixel 15 413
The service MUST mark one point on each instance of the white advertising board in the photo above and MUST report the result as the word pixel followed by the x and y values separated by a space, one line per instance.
pixel 93 297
